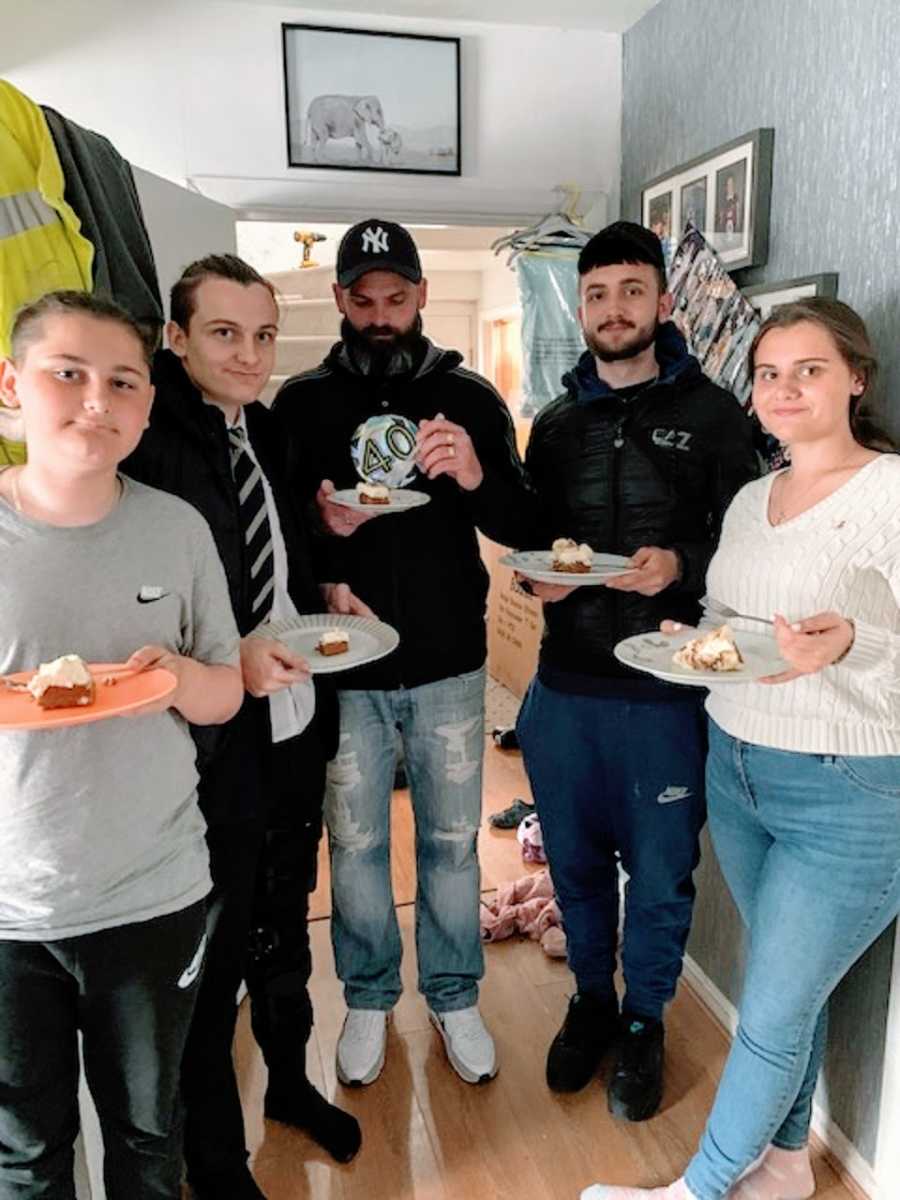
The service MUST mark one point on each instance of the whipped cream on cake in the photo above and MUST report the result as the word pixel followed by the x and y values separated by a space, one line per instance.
pixel 373 493
pixel 333 641
pixel 713 651
pixel 62 683
pixel 569 556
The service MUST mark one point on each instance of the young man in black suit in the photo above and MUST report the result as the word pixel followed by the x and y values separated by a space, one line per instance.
pixel 262 775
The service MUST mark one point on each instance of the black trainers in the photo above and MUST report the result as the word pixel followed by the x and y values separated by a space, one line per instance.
pixel 512 817
pixel 636 1085
pixel 587 1032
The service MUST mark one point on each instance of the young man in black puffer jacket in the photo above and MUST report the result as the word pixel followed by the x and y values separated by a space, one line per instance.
pixel 639 456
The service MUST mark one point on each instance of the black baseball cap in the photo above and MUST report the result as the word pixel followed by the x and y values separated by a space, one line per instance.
pixel 622 242
pixel 377 245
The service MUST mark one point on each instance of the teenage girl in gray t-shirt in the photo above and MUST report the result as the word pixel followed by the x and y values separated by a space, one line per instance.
pixel 103 866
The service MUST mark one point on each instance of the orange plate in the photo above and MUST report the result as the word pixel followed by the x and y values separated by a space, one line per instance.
pixel 18 710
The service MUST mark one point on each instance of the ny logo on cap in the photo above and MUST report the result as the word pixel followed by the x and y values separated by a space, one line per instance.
pixel 375 241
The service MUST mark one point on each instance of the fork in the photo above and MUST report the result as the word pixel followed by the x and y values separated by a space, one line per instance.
pixel 117 671
pixel 715 609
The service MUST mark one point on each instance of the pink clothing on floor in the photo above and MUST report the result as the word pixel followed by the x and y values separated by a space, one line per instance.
pixel 526 907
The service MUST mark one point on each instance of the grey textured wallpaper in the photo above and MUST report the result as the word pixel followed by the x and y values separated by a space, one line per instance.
pixel 825 74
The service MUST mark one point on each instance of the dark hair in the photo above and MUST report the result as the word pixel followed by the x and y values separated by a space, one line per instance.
pixel 624 242
pixel 29 320
pixel 848 331
pixel 213 266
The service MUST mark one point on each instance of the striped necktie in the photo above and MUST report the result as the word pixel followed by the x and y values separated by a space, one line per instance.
pixel 254 524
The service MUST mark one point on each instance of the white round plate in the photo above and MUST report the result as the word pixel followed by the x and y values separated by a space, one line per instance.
pixel 652 652
pixel 537 565
pixel 402 500
pixel 369 640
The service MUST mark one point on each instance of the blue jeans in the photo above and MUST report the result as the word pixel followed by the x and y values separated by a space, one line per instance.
pixel 810 847
pixel 612 777
pixel 442 729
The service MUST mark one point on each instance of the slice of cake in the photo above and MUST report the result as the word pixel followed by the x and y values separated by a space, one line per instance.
pixel 373 493
pixel 63 683
pixel 571 558
pixel 334 641
pixel 713 651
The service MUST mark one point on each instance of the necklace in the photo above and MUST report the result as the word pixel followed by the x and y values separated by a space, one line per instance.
pixel 17 495
pixel 782 512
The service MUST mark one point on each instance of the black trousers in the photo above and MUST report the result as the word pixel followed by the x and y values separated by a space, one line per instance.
pixel 131 992
pixel 263 871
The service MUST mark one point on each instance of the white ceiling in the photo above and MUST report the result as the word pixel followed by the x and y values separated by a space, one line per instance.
pixel 611 16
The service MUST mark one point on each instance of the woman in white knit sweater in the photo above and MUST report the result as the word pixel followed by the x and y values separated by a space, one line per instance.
pixel 803 777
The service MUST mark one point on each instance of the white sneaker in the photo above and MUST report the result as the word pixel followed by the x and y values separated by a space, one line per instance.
pixel 469 1046
pixel 361 1046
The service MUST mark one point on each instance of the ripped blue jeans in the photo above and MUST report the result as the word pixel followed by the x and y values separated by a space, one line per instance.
pixel 441 726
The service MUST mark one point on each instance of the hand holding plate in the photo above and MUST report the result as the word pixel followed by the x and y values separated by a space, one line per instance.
pixel 268 666
pixel 336 518
pixel 549 593
pixel 653 570
pixel 339 599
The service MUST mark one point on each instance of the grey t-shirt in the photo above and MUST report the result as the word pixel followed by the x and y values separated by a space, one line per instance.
pixel 99 823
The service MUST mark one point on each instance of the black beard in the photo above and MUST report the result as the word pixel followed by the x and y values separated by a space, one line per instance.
pixel 373 357
pixel 643 338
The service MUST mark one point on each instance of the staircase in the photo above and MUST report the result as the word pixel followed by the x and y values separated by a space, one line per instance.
pixel 310 321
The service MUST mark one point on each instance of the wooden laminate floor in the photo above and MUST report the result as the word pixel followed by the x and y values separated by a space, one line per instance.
pixel 429 1136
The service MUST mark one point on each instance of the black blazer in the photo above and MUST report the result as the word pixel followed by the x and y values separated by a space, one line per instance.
pixel 185 451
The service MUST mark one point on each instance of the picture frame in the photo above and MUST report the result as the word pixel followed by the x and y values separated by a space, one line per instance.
pixel 716 318
pixel 725 194
pixel 765 296
pixel 368 100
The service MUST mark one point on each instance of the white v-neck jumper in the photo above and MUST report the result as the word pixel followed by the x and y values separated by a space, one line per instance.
pixel 842 555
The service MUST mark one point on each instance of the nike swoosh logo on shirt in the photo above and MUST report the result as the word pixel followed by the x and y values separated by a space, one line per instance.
pixel 192 970
pixel 147 595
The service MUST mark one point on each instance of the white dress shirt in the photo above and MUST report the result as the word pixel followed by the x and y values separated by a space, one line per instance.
pixel 291 709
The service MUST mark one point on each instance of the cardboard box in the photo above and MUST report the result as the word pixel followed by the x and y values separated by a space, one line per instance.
pixel 515 625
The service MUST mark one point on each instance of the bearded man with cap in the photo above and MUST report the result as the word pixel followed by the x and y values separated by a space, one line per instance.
pixel 387 388
pixel 639 456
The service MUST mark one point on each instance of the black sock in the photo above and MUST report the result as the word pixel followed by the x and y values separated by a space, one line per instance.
pixel 298 1103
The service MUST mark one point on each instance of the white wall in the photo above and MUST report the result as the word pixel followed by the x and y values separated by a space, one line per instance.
pixel 111 65
pixel 182 227
pixel 195 90
pixel 499 288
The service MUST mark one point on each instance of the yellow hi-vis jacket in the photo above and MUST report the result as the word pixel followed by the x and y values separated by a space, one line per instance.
pixel 41 246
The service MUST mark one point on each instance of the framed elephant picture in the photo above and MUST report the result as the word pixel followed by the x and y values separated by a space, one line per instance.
pixel 360 100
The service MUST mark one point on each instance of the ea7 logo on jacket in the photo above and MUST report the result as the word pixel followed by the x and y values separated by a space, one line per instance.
pixel 672 439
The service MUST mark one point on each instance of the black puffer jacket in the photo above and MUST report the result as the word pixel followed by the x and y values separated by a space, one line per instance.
pixel 185 451
pixel 420 571
pixel 656 470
